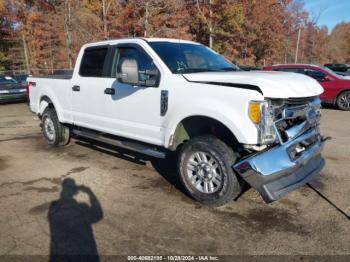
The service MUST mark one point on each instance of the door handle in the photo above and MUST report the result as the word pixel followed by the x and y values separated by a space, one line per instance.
pixel 76 88
pixel 109 91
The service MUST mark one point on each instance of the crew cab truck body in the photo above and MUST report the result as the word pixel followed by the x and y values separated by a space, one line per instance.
pixel 160 95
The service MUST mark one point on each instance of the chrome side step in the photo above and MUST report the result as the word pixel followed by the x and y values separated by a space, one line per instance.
pixel 134 146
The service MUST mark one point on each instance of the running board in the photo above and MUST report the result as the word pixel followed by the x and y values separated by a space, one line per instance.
pixel 134 146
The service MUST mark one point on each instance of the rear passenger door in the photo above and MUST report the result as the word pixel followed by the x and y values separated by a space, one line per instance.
pixel 88 98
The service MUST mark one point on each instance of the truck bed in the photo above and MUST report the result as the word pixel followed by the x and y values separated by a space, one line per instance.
pixel 66 76
pixel 57 87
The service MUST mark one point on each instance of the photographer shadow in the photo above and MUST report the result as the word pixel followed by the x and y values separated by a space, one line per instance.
pixel 72 237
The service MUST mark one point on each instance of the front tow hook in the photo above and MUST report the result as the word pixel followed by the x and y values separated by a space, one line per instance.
pixel 325 138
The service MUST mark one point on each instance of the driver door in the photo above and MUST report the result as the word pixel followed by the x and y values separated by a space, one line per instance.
pixel 134 109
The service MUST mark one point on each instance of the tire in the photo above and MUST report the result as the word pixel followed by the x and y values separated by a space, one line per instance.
pixel 55 133
pixel 205 171
pixel 343 101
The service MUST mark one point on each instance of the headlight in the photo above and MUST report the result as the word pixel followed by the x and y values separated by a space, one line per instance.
pixel 262 115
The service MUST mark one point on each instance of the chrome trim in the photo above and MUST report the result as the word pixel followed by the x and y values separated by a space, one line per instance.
pixel 296 130
pixel 295 111
pixel 309 111
pixel 276 162
pixel 294 161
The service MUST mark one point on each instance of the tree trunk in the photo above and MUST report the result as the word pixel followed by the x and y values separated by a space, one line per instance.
pixel 210 24
pixel 146 21
pixel 104 19
pixel 68 31
pixel 26 54
pixel 297 48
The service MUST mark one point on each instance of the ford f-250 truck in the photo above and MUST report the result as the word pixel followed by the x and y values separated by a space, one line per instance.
pixel 155 96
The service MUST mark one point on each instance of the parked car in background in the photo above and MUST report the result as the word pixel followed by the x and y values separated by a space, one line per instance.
pixel 246 67
pixel 249 67
pixel 21 79
pixel 11 90
pixel 340 69
pixel 336 88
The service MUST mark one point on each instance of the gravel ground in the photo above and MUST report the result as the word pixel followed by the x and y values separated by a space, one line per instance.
pixel 118 203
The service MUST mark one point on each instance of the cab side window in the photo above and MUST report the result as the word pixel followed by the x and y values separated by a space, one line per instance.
pixel 92 62
pixel 144 62
pixel 318 75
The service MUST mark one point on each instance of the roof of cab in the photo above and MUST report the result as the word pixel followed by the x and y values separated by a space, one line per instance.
pixel 152 39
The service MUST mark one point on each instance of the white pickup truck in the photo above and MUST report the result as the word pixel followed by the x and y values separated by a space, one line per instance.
pixel 155 96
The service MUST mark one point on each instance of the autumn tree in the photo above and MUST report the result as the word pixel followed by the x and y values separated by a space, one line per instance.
pixel 216 23
pixel 339 43
pixel 6 34
pixel 48 34
pixel 151 18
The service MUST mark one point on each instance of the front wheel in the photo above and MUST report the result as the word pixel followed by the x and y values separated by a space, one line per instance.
pixel 205 170
pixel 343 101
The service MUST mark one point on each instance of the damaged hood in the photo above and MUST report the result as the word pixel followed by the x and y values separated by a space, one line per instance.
pixel 270 84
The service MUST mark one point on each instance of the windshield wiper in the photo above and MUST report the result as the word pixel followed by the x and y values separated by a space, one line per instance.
pixel 197 70
pixel 230 69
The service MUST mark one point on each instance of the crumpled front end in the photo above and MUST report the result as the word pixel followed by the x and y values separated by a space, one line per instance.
pixel 295 159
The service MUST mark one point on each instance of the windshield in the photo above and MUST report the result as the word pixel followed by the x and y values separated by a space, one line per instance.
pixel 7 80
pixel 331 72
pixel 191 58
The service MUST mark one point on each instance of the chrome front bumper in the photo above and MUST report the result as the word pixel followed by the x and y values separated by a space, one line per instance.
pixel 277 171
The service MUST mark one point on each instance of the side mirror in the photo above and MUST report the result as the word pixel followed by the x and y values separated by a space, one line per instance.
pixel 129 72
pixel 150 78
pixel 327 78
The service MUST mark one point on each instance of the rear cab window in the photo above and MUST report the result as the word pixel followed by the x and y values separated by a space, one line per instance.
pixel 93 61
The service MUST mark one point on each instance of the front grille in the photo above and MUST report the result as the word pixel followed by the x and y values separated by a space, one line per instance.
pixel 294 117
pixel 300 100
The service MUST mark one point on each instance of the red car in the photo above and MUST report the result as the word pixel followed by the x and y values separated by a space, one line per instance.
pixel 336 88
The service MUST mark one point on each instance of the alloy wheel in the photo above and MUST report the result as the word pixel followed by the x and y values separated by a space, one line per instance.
pixel 204 172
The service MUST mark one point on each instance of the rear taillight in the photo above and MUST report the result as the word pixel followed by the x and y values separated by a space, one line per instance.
pixel 28 86
pixel 27 89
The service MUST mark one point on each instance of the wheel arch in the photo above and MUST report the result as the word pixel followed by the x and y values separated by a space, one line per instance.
pixel 44 102
pixel 195 125
pixel 340 92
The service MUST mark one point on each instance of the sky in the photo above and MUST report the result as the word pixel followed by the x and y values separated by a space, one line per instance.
pixel 331 12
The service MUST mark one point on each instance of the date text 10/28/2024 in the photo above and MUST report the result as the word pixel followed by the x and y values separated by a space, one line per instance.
pixel 173 258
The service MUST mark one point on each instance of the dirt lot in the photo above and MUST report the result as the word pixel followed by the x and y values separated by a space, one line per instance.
pixel 136 209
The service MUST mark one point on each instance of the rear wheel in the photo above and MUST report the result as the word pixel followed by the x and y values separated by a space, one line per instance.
pixel 205 170
pixel 55 133
pixel 343 101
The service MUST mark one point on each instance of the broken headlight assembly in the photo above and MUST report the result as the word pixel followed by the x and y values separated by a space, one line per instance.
pixel 262 114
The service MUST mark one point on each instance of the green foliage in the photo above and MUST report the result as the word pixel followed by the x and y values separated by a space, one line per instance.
pixel 4 62
pixel 228 20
